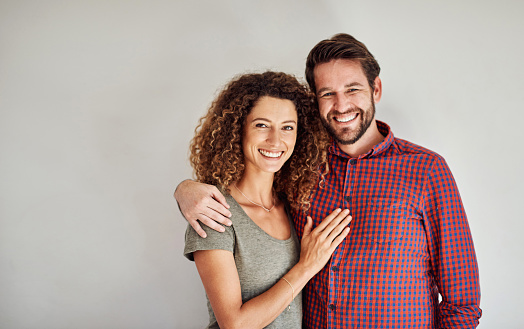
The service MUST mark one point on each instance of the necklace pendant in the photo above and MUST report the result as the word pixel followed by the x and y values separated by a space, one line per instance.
pixel 256 204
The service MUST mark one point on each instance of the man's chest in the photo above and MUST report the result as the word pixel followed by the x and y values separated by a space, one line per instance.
pixel 385 197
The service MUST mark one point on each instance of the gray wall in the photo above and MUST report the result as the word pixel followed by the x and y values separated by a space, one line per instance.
pixel 99 100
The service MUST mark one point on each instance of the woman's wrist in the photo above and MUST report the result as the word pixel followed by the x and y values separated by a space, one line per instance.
pixel 303 272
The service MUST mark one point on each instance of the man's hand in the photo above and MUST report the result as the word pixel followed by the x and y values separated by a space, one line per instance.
pixel 204 203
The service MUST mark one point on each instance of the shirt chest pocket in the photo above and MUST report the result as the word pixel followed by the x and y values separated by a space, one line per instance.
pixel 383 219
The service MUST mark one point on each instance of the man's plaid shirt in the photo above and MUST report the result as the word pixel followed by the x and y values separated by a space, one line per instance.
pixel 409 241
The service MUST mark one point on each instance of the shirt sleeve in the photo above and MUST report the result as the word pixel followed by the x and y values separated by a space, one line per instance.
pixel 214 240
pixel 453 259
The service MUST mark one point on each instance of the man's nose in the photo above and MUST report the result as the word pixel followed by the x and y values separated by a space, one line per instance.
pixel 341 102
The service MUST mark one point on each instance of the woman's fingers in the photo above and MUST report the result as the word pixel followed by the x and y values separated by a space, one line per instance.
pixel 339 238
pixel 331 222
pixel 327 220
pixel 336 230
pixel 308 227
pixel 336 221
pixel 318 244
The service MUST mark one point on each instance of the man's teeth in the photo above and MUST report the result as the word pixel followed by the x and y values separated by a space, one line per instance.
pixel 270 154
pixel 346 119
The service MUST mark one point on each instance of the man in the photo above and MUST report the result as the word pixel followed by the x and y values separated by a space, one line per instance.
pixel 409 240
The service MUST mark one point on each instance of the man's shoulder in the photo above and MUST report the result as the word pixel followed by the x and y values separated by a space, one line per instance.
pixel 416 155
pixel 398 147
pixel 408 148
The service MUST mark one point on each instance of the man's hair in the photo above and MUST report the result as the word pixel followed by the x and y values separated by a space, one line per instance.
pixel 341 46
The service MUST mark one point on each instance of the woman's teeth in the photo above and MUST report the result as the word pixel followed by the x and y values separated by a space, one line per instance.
pixel 270 154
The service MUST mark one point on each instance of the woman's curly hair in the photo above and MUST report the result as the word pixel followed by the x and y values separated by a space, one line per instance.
pixel 216 150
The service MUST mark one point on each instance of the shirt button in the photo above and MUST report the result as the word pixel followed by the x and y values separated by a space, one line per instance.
pixel 334 268
pixel 348 198
pixel 332 307
pixel 353 162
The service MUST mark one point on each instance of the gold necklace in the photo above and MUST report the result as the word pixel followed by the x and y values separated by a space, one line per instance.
pixel 253 202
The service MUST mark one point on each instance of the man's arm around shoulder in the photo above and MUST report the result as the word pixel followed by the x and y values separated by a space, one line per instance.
pixel 199 202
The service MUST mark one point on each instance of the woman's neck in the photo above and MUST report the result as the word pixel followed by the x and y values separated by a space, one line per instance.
pixel 257 187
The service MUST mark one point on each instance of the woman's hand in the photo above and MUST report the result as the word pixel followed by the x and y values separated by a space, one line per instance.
pixel 319 244
pixel 219 275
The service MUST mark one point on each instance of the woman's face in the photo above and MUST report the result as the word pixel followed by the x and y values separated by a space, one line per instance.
pixel 270 133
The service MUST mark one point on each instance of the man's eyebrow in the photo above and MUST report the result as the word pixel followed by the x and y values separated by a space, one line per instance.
pixel 321 90
pixel 354 84
pixel 349 85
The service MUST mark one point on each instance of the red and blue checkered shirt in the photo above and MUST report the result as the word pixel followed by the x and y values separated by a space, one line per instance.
pixel 409 242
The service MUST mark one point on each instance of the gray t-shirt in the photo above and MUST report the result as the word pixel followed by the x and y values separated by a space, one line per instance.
pixel 261 260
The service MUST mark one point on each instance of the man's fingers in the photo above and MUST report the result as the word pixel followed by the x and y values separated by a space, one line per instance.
pixel 222 200
pixel 217 212
pixel 194 224
pixel 211 223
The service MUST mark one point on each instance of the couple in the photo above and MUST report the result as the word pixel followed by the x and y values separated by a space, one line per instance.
pixel 409 243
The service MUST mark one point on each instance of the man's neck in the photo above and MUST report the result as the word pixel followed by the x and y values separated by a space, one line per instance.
pixel 369 140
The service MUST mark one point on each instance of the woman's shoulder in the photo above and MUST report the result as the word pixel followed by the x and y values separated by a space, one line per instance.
pixel 214 240
pixel 238 215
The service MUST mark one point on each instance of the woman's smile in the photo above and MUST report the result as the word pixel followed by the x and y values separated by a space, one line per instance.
pixel 270 133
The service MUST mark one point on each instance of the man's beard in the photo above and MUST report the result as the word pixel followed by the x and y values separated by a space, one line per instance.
pixel 347 136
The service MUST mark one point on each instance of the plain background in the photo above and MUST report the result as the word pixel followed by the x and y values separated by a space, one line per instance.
pixel 99 100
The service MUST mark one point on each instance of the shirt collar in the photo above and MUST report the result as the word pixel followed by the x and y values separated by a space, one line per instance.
pixel 388 141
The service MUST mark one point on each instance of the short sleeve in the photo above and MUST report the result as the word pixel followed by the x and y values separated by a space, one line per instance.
pixel 214 240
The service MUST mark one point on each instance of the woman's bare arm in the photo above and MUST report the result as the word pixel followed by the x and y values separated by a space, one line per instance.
pixel 219 275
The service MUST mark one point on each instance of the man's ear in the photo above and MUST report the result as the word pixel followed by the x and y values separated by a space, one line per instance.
pixel 377 91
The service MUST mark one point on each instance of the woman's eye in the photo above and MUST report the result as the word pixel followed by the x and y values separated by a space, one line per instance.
pixel 288 128
pixel 260 125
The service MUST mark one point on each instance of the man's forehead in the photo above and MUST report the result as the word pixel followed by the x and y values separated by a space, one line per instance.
pixel 340 72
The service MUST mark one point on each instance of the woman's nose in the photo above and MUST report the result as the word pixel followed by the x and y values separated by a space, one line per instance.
pixel 274 137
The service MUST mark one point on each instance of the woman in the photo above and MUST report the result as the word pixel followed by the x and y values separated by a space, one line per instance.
pixel 260 139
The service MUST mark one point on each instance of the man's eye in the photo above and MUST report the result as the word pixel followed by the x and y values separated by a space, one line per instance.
pixel 352 90
pixel 326 94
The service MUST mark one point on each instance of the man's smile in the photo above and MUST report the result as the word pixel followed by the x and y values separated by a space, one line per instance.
pixel 345 117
